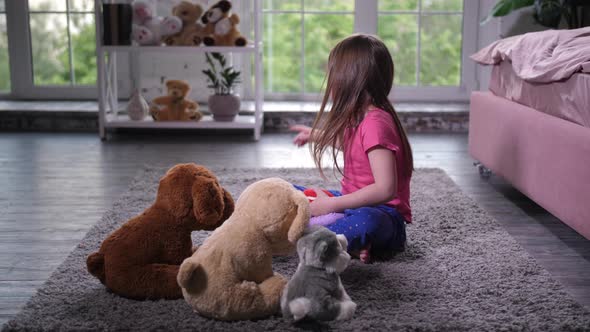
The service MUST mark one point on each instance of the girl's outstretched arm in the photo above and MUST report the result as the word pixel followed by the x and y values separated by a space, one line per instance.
pixel 384 189
pixel 304 134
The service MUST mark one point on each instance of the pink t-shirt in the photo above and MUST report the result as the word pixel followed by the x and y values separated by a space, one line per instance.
pixel 376 129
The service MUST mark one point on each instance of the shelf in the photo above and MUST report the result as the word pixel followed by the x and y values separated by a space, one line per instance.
pixel 207 122
pixel 250 48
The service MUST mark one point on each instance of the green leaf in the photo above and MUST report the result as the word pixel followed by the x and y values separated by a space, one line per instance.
pixel 505 7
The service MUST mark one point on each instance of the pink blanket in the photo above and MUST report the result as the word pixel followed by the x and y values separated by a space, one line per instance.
pixel 542 57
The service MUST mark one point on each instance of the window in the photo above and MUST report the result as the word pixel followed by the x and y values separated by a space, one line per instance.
pixel 298 36
pixel 426 39
pixel 4 64
pixel 62 42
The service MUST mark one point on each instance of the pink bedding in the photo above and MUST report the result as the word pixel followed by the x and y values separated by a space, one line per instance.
pixel 542 57
pixel 569 99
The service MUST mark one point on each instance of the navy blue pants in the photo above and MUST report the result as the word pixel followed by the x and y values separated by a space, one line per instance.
pixel 380 226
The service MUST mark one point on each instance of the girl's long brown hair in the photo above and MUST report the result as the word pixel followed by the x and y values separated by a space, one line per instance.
pixel 360 74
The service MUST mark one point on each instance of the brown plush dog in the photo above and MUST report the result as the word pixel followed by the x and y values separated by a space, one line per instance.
pixel 220 27
pixel 192 33
pixel 230 277
pixel 176 106
pixel 140 260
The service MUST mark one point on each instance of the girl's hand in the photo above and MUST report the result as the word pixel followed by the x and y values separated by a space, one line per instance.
pixel 304 132
pixel 321 205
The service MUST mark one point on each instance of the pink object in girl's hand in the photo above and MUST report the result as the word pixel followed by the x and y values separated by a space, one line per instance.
pixel 326 219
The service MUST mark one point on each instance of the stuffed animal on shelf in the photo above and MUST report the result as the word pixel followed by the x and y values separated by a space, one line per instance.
pixel 326 219
pixel 220 26
pixel 149 29
pixel 176 107
pixel 230 277
pixel 140 260
pixel 315 291
pixel 192 32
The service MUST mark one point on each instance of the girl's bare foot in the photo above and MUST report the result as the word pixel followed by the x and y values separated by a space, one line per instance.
pixel 365 254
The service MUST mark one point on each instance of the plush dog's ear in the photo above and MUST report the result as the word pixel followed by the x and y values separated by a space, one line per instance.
pixel 321 249
pixel 343 241
pixel 229 204
pixel 301 219
pixel 208 201
pixel 192 277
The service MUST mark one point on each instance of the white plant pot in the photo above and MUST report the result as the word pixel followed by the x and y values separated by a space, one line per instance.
pixel 224 107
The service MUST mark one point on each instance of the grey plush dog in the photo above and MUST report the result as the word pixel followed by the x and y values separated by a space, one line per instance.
pixel 315 291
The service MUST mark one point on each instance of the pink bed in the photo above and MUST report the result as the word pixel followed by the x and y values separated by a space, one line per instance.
pixel 542 149
pixel 545 157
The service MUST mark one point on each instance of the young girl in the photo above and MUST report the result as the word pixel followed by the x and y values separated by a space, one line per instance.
pixel 378 165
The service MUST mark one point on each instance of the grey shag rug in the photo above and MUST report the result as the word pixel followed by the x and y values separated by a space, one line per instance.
pixel 460 271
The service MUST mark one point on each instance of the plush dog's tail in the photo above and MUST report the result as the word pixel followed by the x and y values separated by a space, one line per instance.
pixel 192 277
pixel 299 308
pixel 95 265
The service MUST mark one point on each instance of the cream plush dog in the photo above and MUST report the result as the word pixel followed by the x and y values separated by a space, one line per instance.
pixel 230 277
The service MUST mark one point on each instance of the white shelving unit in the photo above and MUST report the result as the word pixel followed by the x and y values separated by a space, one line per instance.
pixel 109 115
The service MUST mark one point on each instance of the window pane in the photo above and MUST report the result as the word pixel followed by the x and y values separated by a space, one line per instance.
pixel 329 5
pixel 442 5
pixel 441 50
pixel 48 5
pixel 49 41
pixel 400 32
pixel 322 32
pixel 398 5
pixel 4 64
pixel 81 5
pixel 84 48
pixel 282 52
pixel 282 5
pixel 2 6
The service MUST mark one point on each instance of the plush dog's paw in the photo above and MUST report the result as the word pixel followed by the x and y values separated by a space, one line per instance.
pixel 347 309
pixel 299 308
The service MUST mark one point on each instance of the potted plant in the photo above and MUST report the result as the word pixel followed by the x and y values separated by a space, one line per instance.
pixel 548 13
pixel 223 104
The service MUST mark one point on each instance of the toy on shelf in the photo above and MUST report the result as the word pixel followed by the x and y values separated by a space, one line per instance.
pixel 140 260
pixel 176 107
pixel 220 26
pixel 149 29
pixel 192 32
pixel 230 277
pixel 315 292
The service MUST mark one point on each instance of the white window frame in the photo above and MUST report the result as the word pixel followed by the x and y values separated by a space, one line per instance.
pixel 6 93
pixel 21 62
pixel 365 21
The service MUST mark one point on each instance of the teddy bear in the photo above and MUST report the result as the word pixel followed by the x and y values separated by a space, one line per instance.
pixel 220 27
pixel 230 277
pixel 140 260
pixel 315 291
pixel 192 32
pixel 176 106
pixel 149 29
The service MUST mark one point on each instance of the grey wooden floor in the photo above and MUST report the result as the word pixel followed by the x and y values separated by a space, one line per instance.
pixel 54 187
